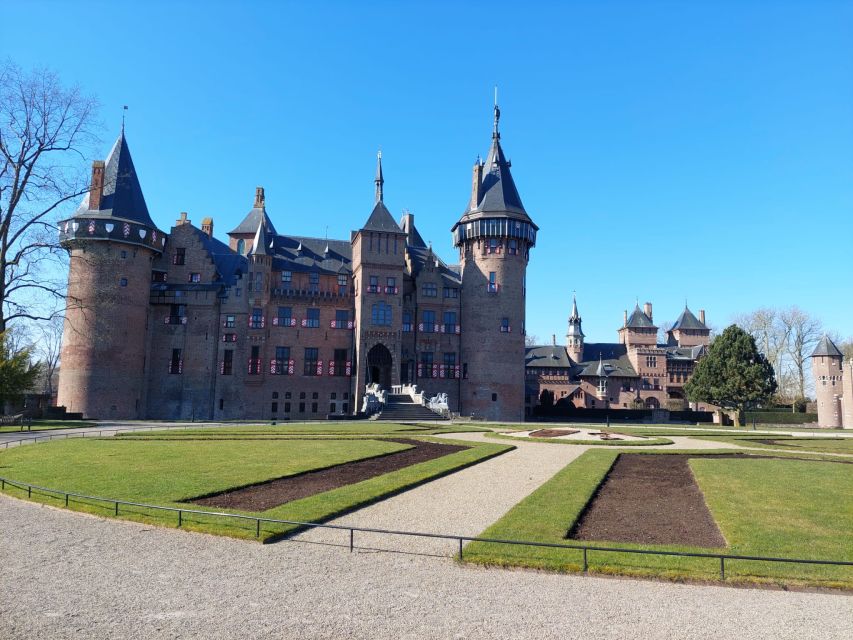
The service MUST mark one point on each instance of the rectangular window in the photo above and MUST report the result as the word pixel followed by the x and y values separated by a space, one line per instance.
pixel 180 256
pixel 430 290
pixel 227 362
pixel 256 321
pixel 407 321
pixel 451 292
pixel 505 328
pixel 286 277
pixel 314 407
pixel 425 368
pixel 373 284
pixel 176 364
pixel 391 286
pixel 229 322
pixel 287 407
pixel 255 361
pixel 493 282
pixel 651 362
pixel 195 277
pixel 310 366
pixel 313 319
pixel 512 248
pixel 494 245
pixel 279 365
pixel 428 325
pixel 449 322
pixel 229 337
pixel 342 285
pixel 177 314
pixel 380 314
pixel 301 407
pixel 450 365
pixel 341 319
pixel 314 280
pixel 158 276
pixel 284 317
pixel 340 362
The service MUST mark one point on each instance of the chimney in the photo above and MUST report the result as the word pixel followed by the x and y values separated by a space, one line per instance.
pixel 702 316
pixel 96 192
pixel 553 339
pixel 625 318
pixel 182 220
pixel 476 183
pixel 260 201
pixel 647 308
pixel 207 226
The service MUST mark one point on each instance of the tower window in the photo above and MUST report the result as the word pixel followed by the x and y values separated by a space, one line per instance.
pixel 311 365
pixel 512 248
pixel 407 321
pixel 314 280
pixel 122 282
pixel 313 319
pixel 428 325
pixel 241 247
pixel 227 367
pixel 176 364
pixel 493 282
pixel 380 314
pixel 195 277
pixel 505 328
pixel 180 256
pixel 430 290
pixel 494 245
pixel 373 284
pixel 287 277
pixel 342 285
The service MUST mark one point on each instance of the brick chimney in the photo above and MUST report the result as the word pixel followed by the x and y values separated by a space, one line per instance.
pixel 182 219
pixel 553 339
pixel 476 184
pixel 625 318
pixel 647 308
pixel 260 200
pixel 207 226
pixel 702 316
pixel 96 192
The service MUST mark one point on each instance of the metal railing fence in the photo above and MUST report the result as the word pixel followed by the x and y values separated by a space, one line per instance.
pixel 584 548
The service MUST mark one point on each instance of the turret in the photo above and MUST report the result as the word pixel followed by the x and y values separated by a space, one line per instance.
pixel 828 379
pixel 112 242
pixel 260 265
pixel 638 329
pixel 575 336
pixel 494 237
pixel 242 237
pixel 689 331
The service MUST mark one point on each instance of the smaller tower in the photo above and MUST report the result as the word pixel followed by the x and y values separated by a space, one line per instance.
pixel 828 377
pixel 260 264
pixel 574 336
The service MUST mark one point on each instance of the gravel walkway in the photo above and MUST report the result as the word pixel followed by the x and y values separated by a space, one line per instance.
pixel 463 503
pixel 68 575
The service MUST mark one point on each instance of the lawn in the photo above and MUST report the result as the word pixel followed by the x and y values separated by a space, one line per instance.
pixel 48 425
pixel 167 473
pixel 823 445
pixel 355 428
pixel 763 507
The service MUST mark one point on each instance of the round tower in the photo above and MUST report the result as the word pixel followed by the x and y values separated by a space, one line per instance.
pixel 828 377
pixel 574 335
pixel 112 243
pixel 494 237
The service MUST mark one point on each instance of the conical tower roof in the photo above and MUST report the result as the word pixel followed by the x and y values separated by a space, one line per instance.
pixel 122 195
pixel 261 245
pixel 639 320
pixel 380 219
pixel 826 347
pixel 575 320
pixel 688 321
pixel 256 214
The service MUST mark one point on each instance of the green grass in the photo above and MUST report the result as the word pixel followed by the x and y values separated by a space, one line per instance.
pixel 358 428
pixel 791 443
pixel 763 507
pixel 166 473
pixel 48 425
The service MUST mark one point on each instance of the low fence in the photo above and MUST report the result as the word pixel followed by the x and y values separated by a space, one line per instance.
pixel 461 540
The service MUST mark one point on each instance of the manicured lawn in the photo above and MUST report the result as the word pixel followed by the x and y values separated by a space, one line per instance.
pixel 47 425
pixel 824 445
pixel 166 473
pixel 763 507
pixel 358 428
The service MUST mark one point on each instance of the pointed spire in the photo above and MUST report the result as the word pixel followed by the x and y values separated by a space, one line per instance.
pixel 575 320
pixel 261 245
pixel 496 134
pixel 379 181
pixel 826 347
pixel 601 372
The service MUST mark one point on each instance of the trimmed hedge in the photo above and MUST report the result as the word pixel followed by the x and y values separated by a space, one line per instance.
pixel 779 417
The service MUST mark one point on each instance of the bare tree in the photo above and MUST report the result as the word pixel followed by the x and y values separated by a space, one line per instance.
pixel 47 349
pixel 803 332
pixel 45 130
pixel 530 340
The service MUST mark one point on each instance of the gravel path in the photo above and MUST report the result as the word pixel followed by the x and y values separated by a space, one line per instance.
pixel 463 503
pixel 68 575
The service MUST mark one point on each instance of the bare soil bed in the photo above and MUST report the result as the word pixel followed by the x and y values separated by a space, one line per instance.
pixel 649 499
pixel 272 493
pixel 552 433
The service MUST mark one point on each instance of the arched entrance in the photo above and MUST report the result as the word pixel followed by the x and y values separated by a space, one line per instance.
pixel 652 403
pixel 379 366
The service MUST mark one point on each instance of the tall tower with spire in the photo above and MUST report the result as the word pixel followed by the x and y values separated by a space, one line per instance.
pixel 574 335
pixel 112 241
pixel 494 237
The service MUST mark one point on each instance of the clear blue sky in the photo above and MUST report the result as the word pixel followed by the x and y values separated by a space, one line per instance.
pixel 667 150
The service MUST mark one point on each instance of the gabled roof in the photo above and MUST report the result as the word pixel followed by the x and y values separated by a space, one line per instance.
pixel 826 347
pixel 229 264
pixel 122 196
pixel 639 320
pixel 688 321
pixel 301 254
pixel 547 356
pixel 380 220
pixel 450 274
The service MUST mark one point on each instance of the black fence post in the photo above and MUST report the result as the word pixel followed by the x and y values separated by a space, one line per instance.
pixel 351 539
pixel 116 507
pixel 66 500
pixel 460 548
pixel 29 491
pixel 258 529
pixel 180 517
pixel 585 564
pixel 722 568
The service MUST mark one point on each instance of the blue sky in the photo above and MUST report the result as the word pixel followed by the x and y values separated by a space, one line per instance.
pixel 667 150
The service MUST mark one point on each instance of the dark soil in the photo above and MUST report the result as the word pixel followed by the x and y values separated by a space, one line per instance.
pixel 552 433
pixel 649 499
pixel 272 493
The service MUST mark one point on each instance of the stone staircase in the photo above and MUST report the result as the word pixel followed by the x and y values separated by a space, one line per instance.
pixel 401 408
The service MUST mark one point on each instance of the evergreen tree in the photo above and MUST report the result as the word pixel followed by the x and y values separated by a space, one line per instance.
pixel 17 372
pixel 733 374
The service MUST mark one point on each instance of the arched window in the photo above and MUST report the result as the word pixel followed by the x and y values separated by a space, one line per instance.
pixel 241 246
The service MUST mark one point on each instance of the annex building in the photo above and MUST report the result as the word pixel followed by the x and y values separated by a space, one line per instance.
pixel 268 325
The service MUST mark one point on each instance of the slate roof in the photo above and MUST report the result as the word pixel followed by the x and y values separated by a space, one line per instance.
pixel 381 220
pixel 683 353
pixel 301 254
pixel 688 321
pixel 252 220
pixel 613 355
pixel 261 246
pixel 639 320
pixel 450 274
pixel 122 196
pixel 498 192
pixel 547 356
pixel 826 347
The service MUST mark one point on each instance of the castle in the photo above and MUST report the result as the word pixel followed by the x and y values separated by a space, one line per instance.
pixel 180 325
pixel 833 389
pixel 635 372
